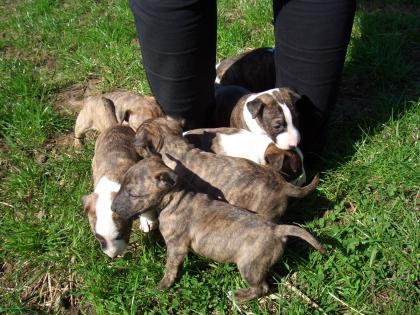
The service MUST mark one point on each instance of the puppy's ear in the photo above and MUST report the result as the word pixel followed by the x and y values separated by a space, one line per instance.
pixel 87 202
pixel 108 104
pixel 255 107
pixel 275 160
pixel 292 165
pixel 181 121
pixel 147 140
pixel 121 115
pixel 166 180
pixel 126 116
pixel 294 96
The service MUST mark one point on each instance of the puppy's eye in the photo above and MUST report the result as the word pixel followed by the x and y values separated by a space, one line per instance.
pixel 279 126
pixel 132 194
pixel 101 241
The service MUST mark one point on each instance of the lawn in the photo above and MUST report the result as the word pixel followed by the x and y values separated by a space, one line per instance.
pixel 366 209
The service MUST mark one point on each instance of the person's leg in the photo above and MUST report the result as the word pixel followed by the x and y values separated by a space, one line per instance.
pixel 178 46
pixel 311 43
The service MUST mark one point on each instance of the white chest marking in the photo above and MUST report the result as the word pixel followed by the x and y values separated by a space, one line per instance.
pixel 245 144
pixel 105 225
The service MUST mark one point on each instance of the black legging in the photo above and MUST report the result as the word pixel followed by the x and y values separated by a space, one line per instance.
pixel 178 45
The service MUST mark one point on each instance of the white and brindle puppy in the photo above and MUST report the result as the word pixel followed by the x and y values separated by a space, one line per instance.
pixel 256 147
pixel 114 155
pixel 127 107
pixel 272 113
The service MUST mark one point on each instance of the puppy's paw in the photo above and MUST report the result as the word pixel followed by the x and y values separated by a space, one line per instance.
pixel 165 283
pixel 77 143
pixel 242 295
pixel 147 225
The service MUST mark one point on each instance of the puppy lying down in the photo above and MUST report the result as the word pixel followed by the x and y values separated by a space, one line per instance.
pixel 256 147
pixel 211 228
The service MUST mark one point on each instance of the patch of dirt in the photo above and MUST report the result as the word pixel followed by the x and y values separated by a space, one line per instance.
pixel 69 100
pixel 62 141
pixel 38 57
pixel 50 291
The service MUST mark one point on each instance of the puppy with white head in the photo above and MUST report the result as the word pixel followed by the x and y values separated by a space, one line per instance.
pixel 272 113
pixel 114 155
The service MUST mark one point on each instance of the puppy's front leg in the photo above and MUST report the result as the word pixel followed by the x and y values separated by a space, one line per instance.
pixel 83 123
pixel 175 257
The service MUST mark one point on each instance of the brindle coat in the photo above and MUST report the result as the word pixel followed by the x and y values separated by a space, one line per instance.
pixel 239 181
pixel 211 228
pixel 99 111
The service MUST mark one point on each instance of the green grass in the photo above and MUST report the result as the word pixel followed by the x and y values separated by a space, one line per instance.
pixel 366 210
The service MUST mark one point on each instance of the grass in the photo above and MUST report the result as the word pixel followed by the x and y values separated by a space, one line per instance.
pixel 366 210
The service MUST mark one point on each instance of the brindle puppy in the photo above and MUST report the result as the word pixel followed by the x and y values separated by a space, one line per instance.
pixel 253 70
pixel 122 107
pixel 241 182
pixel 211 228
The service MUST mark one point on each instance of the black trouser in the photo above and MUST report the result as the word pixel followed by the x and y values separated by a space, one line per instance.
pixel 178 45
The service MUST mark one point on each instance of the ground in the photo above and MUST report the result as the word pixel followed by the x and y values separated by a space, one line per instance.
pixel 365 211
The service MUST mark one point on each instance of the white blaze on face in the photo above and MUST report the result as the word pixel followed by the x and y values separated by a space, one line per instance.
pixel 105 225
pixel 249 121
pixel 245 144
pixel 291 137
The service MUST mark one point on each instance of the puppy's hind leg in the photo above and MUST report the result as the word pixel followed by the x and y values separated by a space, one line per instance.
pixel 254 274
pixel 175 257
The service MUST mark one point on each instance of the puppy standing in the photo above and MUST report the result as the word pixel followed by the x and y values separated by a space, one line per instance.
pixel 241 182
pixel 99 111
pixel 114 155
pixel 272 113
pixel 252 146
pixel 211 228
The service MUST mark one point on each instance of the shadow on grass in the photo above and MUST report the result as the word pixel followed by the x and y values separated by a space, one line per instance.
pixel 380 78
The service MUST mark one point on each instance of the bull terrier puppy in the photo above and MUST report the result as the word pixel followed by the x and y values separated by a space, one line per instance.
pixel 124 107
pixel 254 70
pixel 239 181
pixel 252 146
pixel 114 155
pixel 272 113
pixel 211 228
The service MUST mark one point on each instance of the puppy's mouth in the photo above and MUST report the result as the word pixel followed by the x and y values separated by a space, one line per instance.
pixel 128 214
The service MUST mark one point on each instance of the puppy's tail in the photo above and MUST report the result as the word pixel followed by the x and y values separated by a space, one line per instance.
pixel 285 230
pixel 300 192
